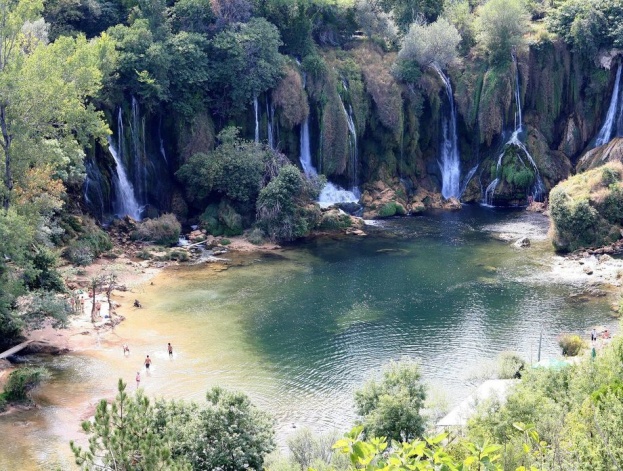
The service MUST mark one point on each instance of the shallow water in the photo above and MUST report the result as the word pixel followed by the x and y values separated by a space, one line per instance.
pixel 299 330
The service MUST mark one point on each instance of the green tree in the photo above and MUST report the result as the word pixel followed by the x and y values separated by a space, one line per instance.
pixel 433 45
pixel 45 117
pixel 281 206
pixel 244 50
pixel 429 454
pixel 123 437
pixel 588 26
pixel 391 408
pixel 501 26
pixel 228 433
pixel 233 170
pixel 407 12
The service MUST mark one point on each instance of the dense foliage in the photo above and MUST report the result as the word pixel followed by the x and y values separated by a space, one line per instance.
pixel 587 209
pixel 391 408
pixel 132 433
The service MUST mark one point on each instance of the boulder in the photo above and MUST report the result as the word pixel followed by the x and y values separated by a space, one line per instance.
pixel 610 152
pixel 522 243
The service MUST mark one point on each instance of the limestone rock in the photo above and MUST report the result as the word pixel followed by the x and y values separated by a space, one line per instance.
pixel 610 152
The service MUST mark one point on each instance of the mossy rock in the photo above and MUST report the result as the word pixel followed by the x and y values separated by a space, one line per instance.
pixel 335 220
pixel 392 208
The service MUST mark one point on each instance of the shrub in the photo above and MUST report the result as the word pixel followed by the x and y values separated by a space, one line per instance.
pixel 20 382
pixel 256 236
pixel 391 408
pixel 509 363
pixel 46 305
pixel 179 255
pixel 571 344
pixel 79 253
pixel 225 241
pixel 144 254
pixel 91 242
pixel 164 230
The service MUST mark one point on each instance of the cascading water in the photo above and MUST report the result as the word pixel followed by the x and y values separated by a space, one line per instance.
pixel 612 125
pixel 352 145
pixel 270 117
pixel 449 163
pixel 257 119
pixel 538 188
pixel 125 201
pixel 330 194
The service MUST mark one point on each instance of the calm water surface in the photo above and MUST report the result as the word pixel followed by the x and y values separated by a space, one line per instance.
pixel 299 330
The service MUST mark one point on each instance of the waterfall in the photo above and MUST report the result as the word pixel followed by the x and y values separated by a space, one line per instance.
pixel 305 157
pixel 449 163
pixel 125 201
pixel 270 117
pixel 538 188
pixel 330 193
pixel 137 132
pixel 257 120
pixel 352 145
pixel 607 129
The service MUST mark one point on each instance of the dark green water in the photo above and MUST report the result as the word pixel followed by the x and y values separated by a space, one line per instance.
pixel 300 330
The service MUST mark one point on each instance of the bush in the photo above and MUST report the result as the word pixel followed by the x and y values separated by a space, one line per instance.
pixel 164 230
pixel 79 253
pixel 20 382
pixel 91 243
pixel 391 408
pixel 44 305
pixel 256 236
pixel 571 344
pixel 509 363
pixel 179 255
pixel 225 241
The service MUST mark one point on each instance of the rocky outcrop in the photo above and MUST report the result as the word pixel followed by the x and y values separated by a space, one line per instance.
pixel 610 152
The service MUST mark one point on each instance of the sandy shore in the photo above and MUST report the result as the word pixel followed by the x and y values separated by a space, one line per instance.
pixel 130 273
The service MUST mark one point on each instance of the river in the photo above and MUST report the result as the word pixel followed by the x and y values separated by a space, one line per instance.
pixel 300 329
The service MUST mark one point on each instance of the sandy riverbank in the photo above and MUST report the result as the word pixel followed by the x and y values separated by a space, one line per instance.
pixel 130 274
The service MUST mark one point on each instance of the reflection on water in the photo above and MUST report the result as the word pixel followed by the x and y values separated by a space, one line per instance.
pixel 299 331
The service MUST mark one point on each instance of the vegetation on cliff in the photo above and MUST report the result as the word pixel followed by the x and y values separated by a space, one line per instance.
pixel 587 209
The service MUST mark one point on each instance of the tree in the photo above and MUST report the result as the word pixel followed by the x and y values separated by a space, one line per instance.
pixel 429 454
pixel 232 170
pixel 373 21
pixel 433 45
pixel 588 26
pixel 501 26
pixel 407 12
pixel 123 437
pixel 45 117
pixel 229 434
pixel 391 408
pixel 281 205
pixel 249 50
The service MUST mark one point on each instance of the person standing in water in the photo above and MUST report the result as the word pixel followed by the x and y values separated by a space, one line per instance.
pixel 138 379
pixel 170 349
pixel 147 363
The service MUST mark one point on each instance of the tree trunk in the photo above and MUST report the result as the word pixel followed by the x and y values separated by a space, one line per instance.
pixel 6 146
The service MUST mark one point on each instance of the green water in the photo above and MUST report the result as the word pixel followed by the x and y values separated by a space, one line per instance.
pixel 299 330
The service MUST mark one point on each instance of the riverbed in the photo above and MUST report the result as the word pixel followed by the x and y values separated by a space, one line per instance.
pixel 300 329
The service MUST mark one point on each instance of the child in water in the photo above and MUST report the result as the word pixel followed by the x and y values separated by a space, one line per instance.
pixel 138 379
